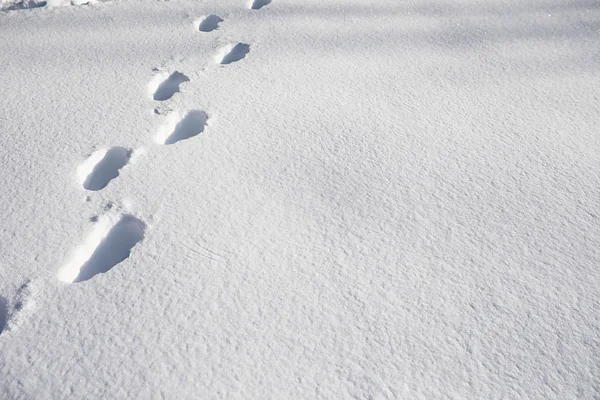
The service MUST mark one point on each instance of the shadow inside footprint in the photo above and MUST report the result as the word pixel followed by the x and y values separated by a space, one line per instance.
pixel 24 5
pixel 238 52
pixel 170 86
pixel 258 4
pixel 107 169
pixel 210 23
pixel 191 125
pixel 114 248
pixel 3 313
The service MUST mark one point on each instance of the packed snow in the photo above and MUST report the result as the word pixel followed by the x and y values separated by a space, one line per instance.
pixel 300 199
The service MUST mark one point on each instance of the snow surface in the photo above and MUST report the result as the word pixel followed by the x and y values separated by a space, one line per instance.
pixel 300 199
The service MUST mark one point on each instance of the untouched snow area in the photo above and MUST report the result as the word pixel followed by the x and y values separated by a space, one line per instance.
pixel 300 199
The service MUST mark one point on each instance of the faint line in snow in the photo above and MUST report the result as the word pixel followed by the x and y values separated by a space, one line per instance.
pixel 197 252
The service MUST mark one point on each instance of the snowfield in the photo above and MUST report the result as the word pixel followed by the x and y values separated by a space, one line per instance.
pixel 300 199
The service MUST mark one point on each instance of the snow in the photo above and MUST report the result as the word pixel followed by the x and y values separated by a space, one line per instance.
pixel 300 199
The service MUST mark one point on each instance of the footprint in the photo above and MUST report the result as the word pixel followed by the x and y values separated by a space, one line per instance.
pixel 102 167
pixel 210 23
pixel 164 86
pixel 3 313
pixel 176 128
pixel 258 4
pixel 13 312
pixel 22 296
pixel 107 245
pixel 24 4
pixel 232 53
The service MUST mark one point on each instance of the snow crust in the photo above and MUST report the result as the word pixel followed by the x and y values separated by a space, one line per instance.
pixel 299 199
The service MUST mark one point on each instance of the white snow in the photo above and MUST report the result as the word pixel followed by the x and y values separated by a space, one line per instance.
pixel 299 199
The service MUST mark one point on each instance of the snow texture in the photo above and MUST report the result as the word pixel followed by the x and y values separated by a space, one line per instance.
pixel 300 199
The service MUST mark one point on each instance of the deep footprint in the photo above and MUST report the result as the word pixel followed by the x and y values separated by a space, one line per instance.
pixel 10 311
pixel 232 53
pixel 258 4
pixel 176 128
pixel 3 313
pixel 24 5
pixel 22 297
pixel 102 167
pixel 108 245
pixel 163 87
pixel 210 23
